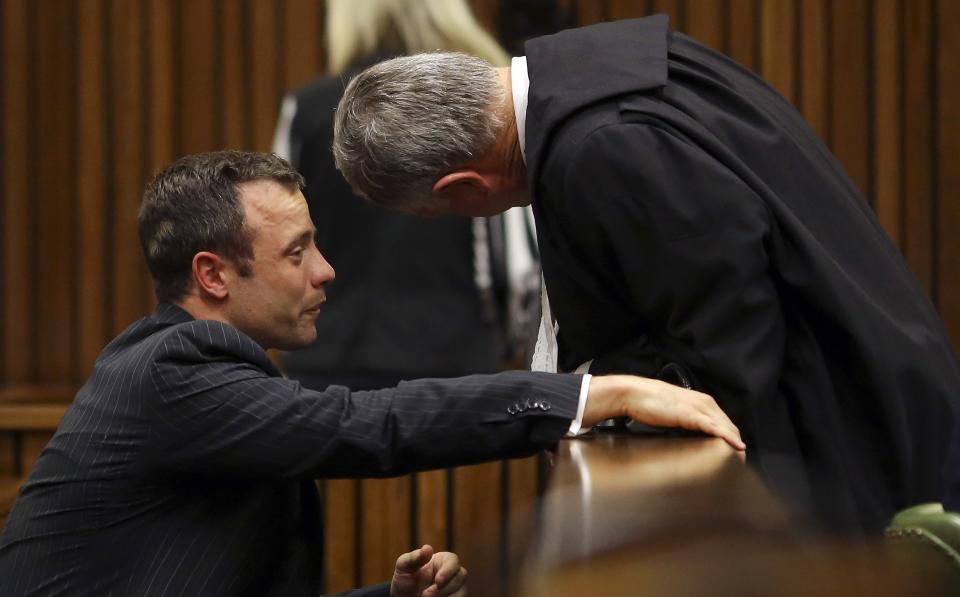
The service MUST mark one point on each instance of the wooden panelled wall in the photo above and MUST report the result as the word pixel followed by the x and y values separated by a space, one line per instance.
pixel 96 94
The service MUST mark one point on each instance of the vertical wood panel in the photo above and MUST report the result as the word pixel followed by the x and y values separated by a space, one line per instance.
pixel 160 102
pixel 886 122
pixel 340 539
pixel 476 516
pixel 674 10
pixel 237 132
pixel 199 74
pixel 302 40
pixel 523 495
pixel 161 86
pixel 591 11
pixel 778 54
pixel 386 526
pixel 126 161
pixel 265 82
pixel 849 89
pixel 814 74
pixel 705 22
pixel 948 163
pixel 742 38
pixel 432 509
pixel 16 135
pixel 7 454
pixel 627 9
pixel 90 150
pixel 54 191
pixel 918 141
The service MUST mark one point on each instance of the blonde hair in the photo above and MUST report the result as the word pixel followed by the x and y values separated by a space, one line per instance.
pixel 358 28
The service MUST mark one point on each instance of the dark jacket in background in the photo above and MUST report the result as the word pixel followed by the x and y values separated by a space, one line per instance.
pixel 687 214
pixel 185 465
pixel 951 491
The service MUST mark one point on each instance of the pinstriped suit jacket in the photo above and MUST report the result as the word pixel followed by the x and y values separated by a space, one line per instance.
pixel 185 464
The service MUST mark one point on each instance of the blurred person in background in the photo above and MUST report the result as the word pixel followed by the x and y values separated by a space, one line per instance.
pixel 415 297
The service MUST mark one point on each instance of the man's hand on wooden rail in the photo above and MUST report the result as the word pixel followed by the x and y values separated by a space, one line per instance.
pixel 658 403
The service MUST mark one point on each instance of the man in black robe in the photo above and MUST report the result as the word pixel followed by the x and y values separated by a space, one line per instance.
pixel 689 221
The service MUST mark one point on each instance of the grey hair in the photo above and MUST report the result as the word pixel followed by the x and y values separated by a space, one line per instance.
pixel 405 122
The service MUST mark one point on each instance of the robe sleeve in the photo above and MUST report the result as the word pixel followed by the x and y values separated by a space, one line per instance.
pixel 669 229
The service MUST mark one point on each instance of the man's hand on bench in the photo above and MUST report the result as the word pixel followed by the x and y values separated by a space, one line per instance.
pixel 657 403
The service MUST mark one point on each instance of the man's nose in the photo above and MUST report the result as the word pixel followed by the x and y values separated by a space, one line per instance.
pixel 322 272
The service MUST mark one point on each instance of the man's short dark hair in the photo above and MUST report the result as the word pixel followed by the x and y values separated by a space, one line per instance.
pixel 193 205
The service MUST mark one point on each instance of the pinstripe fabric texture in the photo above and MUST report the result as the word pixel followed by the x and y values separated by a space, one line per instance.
pixel 185 464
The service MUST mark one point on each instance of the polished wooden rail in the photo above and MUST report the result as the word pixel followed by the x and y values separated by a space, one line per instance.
pixel 30 407
pixel 29 414
pixel 32 411
pixel 31 417
pixel 684 516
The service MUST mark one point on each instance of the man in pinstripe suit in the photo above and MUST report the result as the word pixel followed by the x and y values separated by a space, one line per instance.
pixel 185 464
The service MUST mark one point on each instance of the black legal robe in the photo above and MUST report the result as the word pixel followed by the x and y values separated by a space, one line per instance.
pixel 687 214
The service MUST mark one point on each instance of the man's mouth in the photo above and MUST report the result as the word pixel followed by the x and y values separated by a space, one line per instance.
pixel 315 308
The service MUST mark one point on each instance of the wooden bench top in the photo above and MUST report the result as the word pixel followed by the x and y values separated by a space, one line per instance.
pixel 28 393
pixel 685 516
pixel 33 407
pixel 31 417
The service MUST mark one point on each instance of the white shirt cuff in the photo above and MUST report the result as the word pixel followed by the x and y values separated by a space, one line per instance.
pixel 577 424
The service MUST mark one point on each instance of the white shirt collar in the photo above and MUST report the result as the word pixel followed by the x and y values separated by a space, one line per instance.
pixel 521 85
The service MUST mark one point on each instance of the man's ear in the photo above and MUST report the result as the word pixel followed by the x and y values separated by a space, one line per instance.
pixel 209 273
pixel 463 187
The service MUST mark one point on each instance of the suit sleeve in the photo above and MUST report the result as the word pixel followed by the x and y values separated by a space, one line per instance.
pixel 213 412
pixel 674 233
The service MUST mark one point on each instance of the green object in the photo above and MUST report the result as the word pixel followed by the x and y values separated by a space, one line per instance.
pixel 931 538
